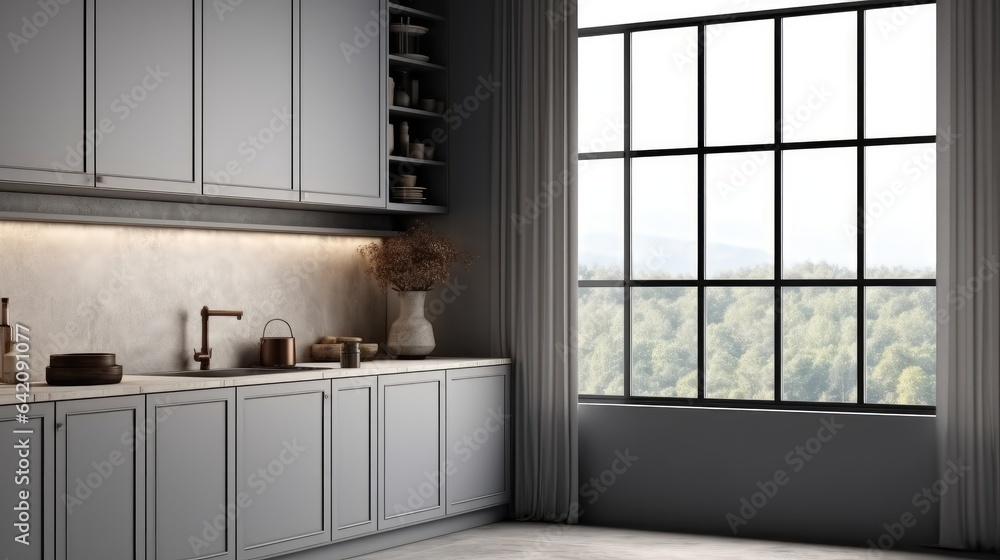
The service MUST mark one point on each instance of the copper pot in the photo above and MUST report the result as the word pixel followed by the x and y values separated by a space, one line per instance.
pixel 277 350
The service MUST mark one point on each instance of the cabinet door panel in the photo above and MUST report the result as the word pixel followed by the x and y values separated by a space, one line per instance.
pixel 283 463
pixel 100 479
pixel 43 101
pixel 191 461
pixel 33 442
pixel 343 102
pixel 478 438
pixel 248 105
pixel 411 450
pixel 355 464
pixel 146 84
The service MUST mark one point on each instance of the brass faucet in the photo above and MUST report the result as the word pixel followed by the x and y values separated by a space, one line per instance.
pixel 205 356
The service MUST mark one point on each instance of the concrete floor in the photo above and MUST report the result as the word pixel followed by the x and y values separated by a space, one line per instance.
pixel 509 540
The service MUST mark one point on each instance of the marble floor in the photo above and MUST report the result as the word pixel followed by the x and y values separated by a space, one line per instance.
pixel 510 540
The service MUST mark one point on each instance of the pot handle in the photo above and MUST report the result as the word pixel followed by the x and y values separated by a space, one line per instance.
pixel 273 320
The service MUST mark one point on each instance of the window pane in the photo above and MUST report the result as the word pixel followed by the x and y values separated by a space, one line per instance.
pixel 900 71
pixel 900 346
pixel 601 341
pixel 739 83
pixel 665 217
pixel 819 344
pixel 739 344
pixel 665 89
pixel 665 342
pixel 601 94
pixel 739 200
pixel 595 13
pixel 602 219
pixel 820 208
pixel 820 79
pixel 901 211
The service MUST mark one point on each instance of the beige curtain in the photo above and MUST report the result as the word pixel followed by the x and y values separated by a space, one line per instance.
pixel 969 286
pixel 535 197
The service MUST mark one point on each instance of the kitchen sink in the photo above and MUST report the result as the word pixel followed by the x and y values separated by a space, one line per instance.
pixel 237 372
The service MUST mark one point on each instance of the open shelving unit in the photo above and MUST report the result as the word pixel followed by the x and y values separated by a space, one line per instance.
pixel 432 75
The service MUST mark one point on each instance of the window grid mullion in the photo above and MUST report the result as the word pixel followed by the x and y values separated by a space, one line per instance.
pixel 860 229
pixel 702 218
pixel 627 165
pixel 778 202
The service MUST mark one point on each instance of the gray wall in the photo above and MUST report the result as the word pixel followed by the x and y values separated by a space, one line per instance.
pixel 137 291
pixel 695 465
pixel 461 315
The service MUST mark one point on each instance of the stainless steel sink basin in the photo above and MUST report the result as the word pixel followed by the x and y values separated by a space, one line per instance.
pixel 237 372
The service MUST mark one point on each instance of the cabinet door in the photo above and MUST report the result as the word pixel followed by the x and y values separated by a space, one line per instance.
pixel 248 128
pixel 27 488
pixel 100 478
pixel 191 500
pixel 147 76
pixel 343 95
pixel 44 92
pixel 411 448
pixel 283 467
pixel 355 461
pixel 478 438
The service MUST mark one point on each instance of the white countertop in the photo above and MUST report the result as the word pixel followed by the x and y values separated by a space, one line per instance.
pixel 153 383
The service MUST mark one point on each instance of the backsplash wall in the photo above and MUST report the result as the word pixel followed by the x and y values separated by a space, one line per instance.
pixel 138 292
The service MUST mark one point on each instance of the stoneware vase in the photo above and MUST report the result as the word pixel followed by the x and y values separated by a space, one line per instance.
pixel 411 336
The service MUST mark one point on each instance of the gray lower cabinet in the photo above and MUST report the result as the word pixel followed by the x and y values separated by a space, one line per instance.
pixel 100 478
pixel 27 529
pixel 283 464
pixel 478 465
pixel 411 448
pixel 248 99
pixel 191 501
pixel 44 93
pixel 148 94
pixel 355 459
pixel 342 111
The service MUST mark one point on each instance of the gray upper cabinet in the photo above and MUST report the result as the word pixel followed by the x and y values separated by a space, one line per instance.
pixel 343 95
pixel 44 93
pixel 283 466
pixel 191 498
pixel 248 99
pixel 411 448
pixel 355 462
pixel 32 441
pixel 148 94
pixel 478 438
pixel 100 479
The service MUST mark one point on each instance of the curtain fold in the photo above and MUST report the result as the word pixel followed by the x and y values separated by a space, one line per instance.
pixel 534 191
pixel 969 286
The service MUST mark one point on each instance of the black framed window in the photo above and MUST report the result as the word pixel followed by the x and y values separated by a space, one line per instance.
pixel 757 209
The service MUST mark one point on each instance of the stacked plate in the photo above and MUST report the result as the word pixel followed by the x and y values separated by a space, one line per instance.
pixel 408 195
pixel 83 369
